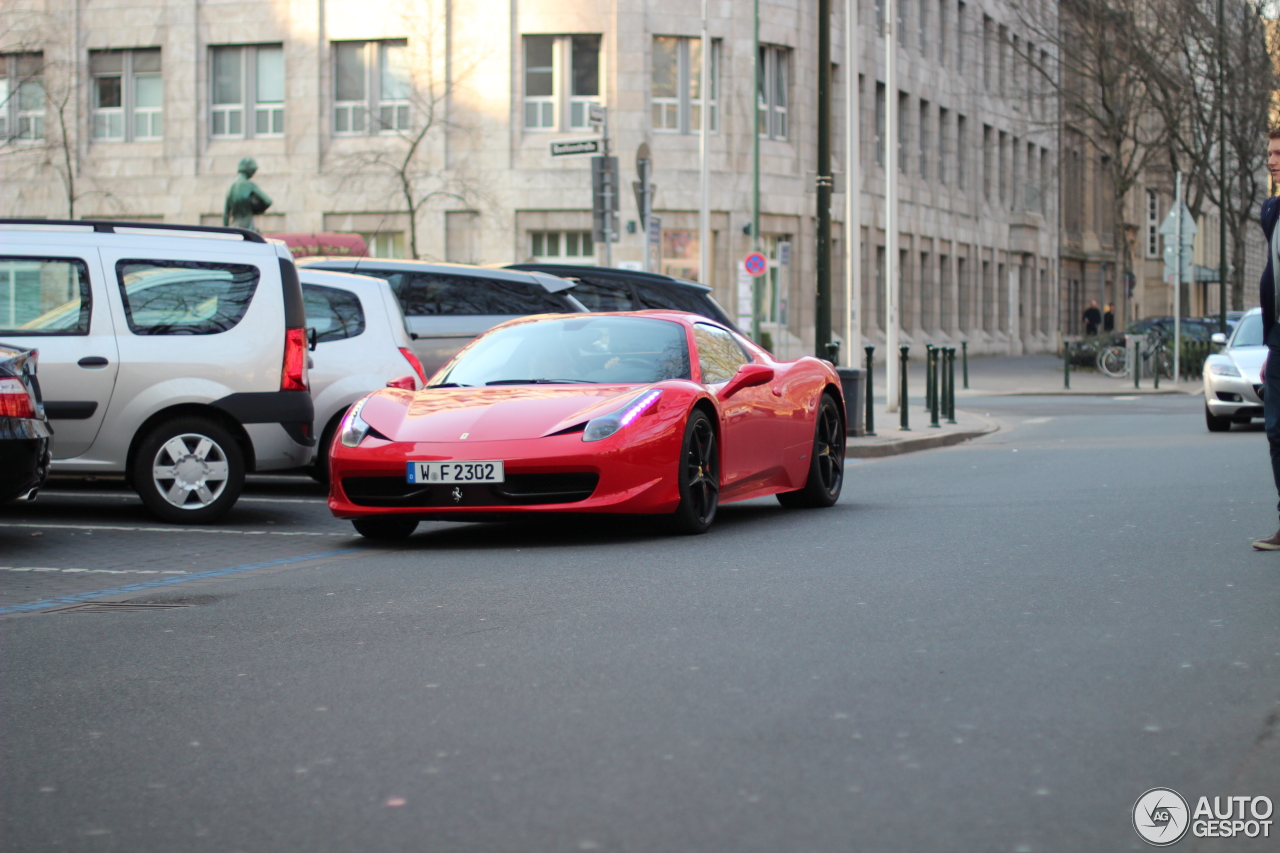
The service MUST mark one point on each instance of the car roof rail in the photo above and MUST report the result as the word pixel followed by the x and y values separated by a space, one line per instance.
pixel 106 226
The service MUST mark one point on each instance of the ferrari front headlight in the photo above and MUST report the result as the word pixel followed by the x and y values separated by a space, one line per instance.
pixel 354 428
pixel 606 425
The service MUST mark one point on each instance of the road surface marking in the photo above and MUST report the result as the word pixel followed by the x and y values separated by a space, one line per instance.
pixel 169 529
pixel 134 496
pixel 92 571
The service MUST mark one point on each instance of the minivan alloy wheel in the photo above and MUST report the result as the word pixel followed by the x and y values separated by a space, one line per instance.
pixel 190 464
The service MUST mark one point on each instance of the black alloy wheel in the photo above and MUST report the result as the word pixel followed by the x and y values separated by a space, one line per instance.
pixel 826 462
pixel 385 527
pixel 699 477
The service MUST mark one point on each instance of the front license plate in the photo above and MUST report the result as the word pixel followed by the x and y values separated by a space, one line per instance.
pixel 484 471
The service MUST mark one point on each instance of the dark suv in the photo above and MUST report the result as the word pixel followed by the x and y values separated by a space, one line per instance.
pixel 447 305
pixel 611 289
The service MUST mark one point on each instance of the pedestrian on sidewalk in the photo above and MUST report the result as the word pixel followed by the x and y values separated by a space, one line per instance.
pixel 1270 331
pixel 1109 318
pixel 1092 317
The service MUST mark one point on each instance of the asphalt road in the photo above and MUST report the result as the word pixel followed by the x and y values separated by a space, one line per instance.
pixel 997 646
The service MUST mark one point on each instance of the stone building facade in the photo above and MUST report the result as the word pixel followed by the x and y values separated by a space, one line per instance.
pixel 143 112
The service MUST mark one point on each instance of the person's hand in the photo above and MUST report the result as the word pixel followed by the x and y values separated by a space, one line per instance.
pixel 1262 374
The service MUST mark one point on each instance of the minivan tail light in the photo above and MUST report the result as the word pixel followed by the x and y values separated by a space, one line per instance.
pixel 414 363
pixel 15 400
pixel 293 376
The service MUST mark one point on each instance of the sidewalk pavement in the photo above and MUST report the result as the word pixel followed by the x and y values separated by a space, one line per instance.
pixel 989 376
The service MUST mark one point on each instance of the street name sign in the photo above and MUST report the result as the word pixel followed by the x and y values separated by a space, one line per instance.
pixel 576 148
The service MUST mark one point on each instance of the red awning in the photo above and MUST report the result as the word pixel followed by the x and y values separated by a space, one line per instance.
pixel 324 244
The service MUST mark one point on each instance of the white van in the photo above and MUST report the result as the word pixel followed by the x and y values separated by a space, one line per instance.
pixel 174 355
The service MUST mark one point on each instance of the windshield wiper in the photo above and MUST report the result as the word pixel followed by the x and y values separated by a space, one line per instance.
pixel 450 385
pixel 541 382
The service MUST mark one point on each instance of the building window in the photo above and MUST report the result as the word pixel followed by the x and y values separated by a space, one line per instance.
pixel 880 120
pixel 904 131
pixel 371 87
pixel 247 98
pixel 962 148
pixel 573 247
pixel 904 15
pixel 922 24
pixel 988 160
pixel 1153 224
pixel 384 244
pixel 771 99
pixel 554 100
pixel 128 95
pixel 944 33
pixel 677 92
pixel 925 140
pixel 944 145
pixel 681 254
pixel 21 96
pixel 960 10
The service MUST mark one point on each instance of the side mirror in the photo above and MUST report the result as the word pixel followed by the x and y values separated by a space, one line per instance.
pixel 1219 338
pixel 748 376
pixel 313 338
pixel 408 383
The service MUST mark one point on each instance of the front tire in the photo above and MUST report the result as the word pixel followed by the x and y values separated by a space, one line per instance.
pixel 189 471
pixel 1215 423
pixel 699 477
pixel 385 527
pixel 826 462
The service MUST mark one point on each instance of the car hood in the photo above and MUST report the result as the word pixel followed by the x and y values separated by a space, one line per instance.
pixel 490 414
pixel 1248 359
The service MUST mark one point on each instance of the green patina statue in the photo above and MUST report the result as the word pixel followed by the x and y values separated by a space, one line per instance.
pixel 245 198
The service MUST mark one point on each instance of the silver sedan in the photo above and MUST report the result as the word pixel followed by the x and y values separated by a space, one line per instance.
pixel 1232 381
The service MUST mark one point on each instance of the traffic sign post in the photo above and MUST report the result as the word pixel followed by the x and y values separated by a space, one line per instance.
pixel 1179 232
pixel 756 265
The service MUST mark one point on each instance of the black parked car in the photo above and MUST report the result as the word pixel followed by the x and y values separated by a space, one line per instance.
pixel 612 289
pixel 24 430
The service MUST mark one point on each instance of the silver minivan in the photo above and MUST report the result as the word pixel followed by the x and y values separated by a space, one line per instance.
pixel 447 305
pixel 173 355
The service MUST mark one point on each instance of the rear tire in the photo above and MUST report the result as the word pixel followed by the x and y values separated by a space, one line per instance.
pixel 826 462
pixel 189 470
pixel 1215 423
pixel 320 468
pixel 698 475
pixel 385 527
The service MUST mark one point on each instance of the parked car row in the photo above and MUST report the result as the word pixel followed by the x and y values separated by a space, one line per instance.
pixel 1232 376
pixel 271 354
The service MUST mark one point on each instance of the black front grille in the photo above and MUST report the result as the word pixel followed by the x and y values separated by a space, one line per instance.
pixel 518 490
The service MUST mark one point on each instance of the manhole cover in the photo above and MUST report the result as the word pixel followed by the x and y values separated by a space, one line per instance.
pixel 116 606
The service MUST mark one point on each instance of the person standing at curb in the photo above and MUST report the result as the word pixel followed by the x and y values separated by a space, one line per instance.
pixel 1270 332
pixel 1109 318
pixel 1092 317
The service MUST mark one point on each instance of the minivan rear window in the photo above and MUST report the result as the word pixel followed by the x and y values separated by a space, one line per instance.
pixel 44 296
pixel 185 297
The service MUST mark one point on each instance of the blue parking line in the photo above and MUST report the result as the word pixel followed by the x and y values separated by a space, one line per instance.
pixel 135 587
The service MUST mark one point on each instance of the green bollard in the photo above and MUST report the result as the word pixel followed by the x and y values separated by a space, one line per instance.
pixel 870 413
pixel 951 385
pixel 1066 365
pixel 964 358
pixel 932 358
pixel 930 379
pixel 902 390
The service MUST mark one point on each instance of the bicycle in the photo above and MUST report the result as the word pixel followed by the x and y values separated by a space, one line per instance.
pixel 1113 361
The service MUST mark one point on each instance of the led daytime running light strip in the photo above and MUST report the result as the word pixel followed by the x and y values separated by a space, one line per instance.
pixel 637 408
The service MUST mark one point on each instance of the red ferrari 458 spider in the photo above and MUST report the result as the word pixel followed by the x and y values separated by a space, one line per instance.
pixel 649 412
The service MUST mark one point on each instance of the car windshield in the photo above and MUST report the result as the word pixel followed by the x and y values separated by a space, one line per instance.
pixel 593 350
pixel 1249 332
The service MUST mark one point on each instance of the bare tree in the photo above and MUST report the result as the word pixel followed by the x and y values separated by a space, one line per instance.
pixel 403 153
pixel 1189 98
pixel 1099 70
pixel 38 111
